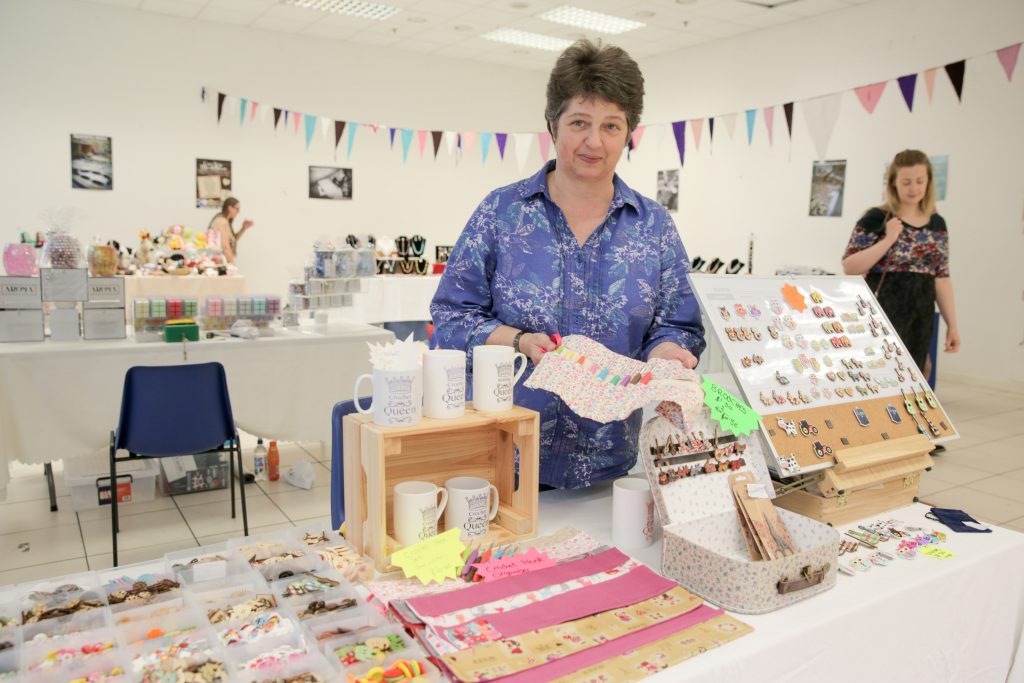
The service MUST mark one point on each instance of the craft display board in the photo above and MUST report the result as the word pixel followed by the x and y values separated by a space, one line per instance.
pixel 818 359
pixel 478 444
pixel 704 547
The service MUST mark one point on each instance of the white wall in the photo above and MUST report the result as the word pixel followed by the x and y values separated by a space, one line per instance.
pixel 86 68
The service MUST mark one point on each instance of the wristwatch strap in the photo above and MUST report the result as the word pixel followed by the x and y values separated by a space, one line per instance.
pixel 515 340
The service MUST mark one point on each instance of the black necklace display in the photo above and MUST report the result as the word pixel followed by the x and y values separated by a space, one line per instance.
pixel 418 244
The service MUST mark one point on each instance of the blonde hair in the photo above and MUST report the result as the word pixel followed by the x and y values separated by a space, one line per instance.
pixel 906 159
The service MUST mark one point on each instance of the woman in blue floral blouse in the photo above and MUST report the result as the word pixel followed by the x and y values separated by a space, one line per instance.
pixel 574 250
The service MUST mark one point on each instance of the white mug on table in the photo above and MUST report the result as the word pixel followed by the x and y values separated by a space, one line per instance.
pixel 444 383
pixel 397 397
pixel 472 504
pixel 417 508
pixel 632 514
pixel 494 376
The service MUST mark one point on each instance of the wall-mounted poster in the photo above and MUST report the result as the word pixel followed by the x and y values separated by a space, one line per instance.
pixel 940 173
pixel 827 181
pixel 327 182
pixel 92 166
pixel 213 183
pixel 668 189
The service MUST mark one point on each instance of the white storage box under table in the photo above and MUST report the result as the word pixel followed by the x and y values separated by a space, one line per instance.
pixel 89 481
pixel 703 546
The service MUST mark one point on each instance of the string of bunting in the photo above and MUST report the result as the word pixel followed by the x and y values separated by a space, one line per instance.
pixel 819 113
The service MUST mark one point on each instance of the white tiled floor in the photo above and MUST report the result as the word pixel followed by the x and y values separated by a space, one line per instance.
pixel 36 543
pixel 982 473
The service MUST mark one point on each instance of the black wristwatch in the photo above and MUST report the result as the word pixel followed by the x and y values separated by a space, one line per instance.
pixel 515 340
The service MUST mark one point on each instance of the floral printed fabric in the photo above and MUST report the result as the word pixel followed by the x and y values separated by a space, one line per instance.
pixel 922 249
pixel 583 374
pixel 517 263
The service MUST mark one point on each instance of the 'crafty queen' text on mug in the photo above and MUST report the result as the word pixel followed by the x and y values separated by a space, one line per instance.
pixel 397 397
pixel 472 504
pixel 444 383
pixel 495 376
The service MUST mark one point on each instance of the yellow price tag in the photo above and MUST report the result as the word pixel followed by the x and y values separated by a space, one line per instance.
pixel 435 559
pixel 940 553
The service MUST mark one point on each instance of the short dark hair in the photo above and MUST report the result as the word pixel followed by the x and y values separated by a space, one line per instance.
pixel 590 70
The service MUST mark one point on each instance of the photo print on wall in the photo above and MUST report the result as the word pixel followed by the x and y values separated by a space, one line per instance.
pixel 668 189
pixel 92 165
pixel 827 181
pixel 327 182
pixel 213 183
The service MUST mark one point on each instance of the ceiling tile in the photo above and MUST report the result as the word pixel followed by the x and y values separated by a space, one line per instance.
pixel 242 5
pixel 460 51
pixel 725 10
pixel 298 15
pixel 329 31
pixel 715 29
pixel 182 8
pixel 131 4
pixel 283 25
pixel 413 45
pixel 766 18
pixel 368 38
pixel 441 8
pixel 810 8
pixel 227 16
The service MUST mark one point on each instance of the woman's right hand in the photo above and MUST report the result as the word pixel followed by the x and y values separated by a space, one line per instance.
pixel 535 345
pixel 893 229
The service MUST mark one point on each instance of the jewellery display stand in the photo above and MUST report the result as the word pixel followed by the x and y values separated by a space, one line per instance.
pixel 847 418
pixel 704 547
pixel 477 444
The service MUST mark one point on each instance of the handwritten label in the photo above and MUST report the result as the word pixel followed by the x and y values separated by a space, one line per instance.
pixel 732 414
pixel 938 553
pixel 505 567
pixel 435 559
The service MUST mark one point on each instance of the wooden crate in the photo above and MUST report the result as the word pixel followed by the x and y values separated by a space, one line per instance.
pixel 866 480
pixel 478 444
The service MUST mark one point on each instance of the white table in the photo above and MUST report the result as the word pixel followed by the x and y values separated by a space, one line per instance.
pixel 392 298
pixel 59 400
pixel 960 619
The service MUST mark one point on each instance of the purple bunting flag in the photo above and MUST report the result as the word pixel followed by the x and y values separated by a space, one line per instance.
pixel 679 131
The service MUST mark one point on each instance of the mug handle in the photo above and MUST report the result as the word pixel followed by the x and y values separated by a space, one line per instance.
pixel 522 369
pixel 494 495
pixel 441 503
pixel 355 394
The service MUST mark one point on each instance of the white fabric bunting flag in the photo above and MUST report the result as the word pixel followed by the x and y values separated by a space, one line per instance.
pixel 821 114
pixel 523 142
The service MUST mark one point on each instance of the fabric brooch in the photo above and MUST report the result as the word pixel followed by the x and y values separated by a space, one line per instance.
pixel 601 385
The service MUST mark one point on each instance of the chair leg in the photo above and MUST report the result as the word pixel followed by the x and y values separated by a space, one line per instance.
pixel 231 479
pixel 241 488
pixel 113 501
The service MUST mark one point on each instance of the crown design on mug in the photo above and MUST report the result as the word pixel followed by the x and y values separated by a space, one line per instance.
pixel 400 385
pixel 504 369
pixel 454 374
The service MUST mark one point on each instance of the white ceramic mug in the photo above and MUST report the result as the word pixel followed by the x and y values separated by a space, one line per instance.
pixel 397 397
pixel 472 504
pixel 417 509
pixel 494 376
pixel 632 514
pixel 444 383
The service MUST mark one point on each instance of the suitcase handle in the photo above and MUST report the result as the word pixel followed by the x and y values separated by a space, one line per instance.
pixel 808 578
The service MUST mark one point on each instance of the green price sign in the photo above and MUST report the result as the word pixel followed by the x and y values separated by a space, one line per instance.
pixel 731 413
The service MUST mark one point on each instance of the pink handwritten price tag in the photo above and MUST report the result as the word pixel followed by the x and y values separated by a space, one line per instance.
pixel 504 567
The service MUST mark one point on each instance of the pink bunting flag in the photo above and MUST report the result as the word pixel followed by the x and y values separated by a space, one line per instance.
pixel 252 114
pixel 870 94
pixel 696 127
pixel 769 120
pixel 373 126
pixel 638 135
pixel 295 120
pixel 1008 58
pixel 421 137
pixel 929 82
pixel 468 140
pixel 545 144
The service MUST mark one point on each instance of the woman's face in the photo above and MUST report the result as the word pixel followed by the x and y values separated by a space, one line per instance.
pixel 911 184
pixel 590 137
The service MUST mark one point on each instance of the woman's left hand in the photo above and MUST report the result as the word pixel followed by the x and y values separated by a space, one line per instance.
pixel 673 351
pixel 952 340
pixel 247 224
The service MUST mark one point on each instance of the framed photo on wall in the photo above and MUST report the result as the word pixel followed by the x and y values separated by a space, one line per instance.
pixel 828 178
pixel 92 165
pixel 327 182
pixel 213 183
pixel 668 189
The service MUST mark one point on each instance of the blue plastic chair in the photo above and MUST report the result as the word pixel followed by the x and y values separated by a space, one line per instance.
pixel 175 410
pixel 337 461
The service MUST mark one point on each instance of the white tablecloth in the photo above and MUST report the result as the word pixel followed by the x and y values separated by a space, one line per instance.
pixel 60 400
pixel 193 286
pixel 392 298
pixel 930 620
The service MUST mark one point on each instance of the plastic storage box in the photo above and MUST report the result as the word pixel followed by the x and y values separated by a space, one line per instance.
pixel 89 481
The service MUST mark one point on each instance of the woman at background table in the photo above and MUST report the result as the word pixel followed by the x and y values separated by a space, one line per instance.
pixel 902 250
pixel 574 250
pixel 222 230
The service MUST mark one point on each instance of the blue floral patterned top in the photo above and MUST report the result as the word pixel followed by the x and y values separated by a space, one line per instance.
pixel 517 263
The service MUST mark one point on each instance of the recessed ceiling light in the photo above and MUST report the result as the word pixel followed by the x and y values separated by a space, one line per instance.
pixel 645 14
pixel 353 8
pixel 416 20
pixel 463 27
pixel 527 39
pixel 594 21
